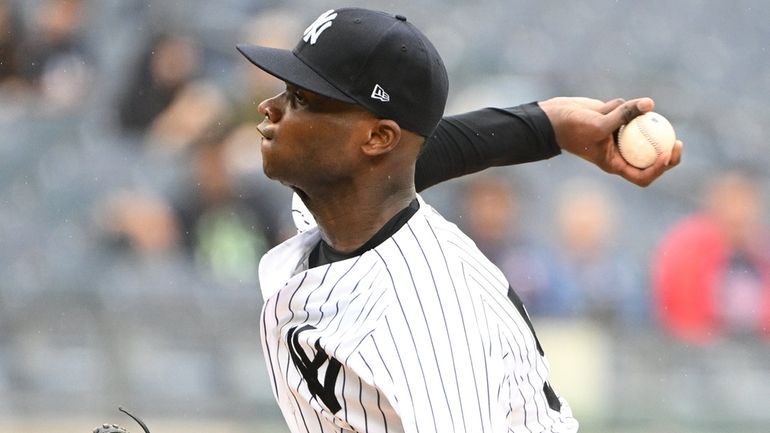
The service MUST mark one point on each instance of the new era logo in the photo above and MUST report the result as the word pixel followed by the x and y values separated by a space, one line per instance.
pixel 321 23
pixel 380 93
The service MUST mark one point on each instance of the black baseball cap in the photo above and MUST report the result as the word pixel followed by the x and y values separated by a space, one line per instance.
pixel 374 59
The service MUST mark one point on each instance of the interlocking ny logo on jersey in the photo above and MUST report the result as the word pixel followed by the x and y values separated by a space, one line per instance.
pixel 309 368
pixel 321 23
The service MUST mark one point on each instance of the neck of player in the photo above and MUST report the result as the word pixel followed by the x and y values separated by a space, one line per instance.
pixel 348 217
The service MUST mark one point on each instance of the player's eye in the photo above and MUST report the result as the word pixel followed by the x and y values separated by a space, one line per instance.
pixel 299 96
pixel 296 95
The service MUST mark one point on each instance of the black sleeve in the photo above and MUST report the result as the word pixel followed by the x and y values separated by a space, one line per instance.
pixel 490 137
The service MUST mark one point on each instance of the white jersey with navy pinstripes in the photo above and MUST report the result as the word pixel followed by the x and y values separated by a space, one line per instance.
pixel 419 334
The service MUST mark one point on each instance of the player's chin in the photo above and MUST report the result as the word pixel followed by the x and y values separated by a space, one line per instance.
pixel 278 172
pixel 268 168
pixel 270 172
pixel 270 160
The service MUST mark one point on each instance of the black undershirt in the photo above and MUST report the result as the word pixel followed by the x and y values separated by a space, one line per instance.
pixel 323 254
pixel 491 137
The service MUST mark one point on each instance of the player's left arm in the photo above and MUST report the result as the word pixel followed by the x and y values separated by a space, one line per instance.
pixel 491 137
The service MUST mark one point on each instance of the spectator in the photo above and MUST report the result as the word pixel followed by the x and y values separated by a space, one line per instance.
pixel 138 221
pixel 227 225
pixel 168 104
pixel 168 63
pixel 492 219
pixel 10 39
pixel 603 280
pixel 712 270
pixel 56 61
pixel 15 91
pixel 193 110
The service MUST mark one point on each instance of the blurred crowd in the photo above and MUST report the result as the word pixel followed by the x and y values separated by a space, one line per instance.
pixel 133 204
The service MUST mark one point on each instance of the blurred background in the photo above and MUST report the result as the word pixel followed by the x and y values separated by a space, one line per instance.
pixel 133 210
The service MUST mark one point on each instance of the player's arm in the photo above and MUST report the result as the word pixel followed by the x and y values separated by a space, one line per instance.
pixel 586 127
pixel 491 137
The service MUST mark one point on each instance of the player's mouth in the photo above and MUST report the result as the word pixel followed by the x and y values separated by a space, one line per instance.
pixel 265 132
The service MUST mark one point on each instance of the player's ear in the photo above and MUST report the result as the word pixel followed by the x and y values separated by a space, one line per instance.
pixel 384 136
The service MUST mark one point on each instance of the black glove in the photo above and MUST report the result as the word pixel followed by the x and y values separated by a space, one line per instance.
pixel 114 428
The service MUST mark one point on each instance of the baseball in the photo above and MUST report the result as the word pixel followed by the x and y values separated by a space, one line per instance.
pixel 644 138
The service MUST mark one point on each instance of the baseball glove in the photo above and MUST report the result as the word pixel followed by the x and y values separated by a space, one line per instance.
pixel 114 428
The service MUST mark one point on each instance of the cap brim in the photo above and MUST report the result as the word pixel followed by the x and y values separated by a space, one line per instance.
pixel 285 65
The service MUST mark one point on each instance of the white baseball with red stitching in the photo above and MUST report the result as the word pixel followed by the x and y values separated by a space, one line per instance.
pixel 644 138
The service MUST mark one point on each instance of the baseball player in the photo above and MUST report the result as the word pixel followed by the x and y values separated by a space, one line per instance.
pixel 381 316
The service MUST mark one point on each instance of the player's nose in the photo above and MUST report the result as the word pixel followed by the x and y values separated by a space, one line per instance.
pixel 270 109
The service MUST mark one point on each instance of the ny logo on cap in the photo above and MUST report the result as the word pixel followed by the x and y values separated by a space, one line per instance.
pixel 321 23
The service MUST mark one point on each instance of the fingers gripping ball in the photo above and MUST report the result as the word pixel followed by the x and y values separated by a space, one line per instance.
pixel 644 138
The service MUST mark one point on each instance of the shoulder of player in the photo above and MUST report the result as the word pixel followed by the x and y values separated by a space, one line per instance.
pixel 426 242
pixel 432 229
pixel 438 245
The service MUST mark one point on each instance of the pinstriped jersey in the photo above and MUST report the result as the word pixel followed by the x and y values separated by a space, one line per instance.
pixel 419 334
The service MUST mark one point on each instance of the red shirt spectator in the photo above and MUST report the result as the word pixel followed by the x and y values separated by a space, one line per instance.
pixel 711 274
